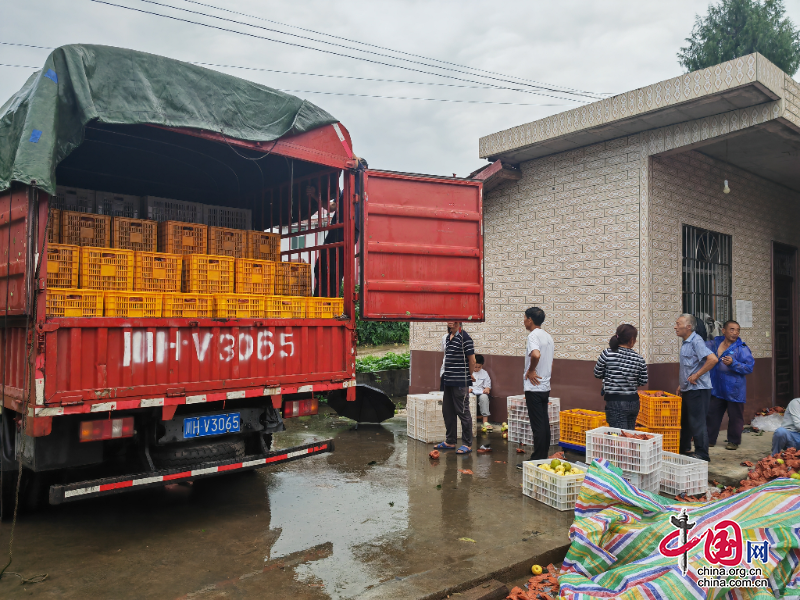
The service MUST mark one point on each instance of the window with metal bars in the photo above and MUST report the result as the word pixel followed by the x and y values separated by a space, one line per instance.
pixel 707 279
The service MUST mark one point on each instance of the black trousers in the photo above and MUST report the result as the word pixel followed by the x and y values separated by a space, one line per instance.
pixel 694 411
pixel 716 410
pixel 622 410
pixel 540 424
pixel 455 405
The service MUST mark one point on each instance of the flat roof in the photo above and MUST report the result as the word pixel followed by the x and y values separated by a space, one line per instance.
pixel 740 83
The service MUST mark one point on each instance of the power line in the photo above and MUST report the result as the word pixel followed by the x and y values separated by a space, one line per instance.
pixel 411 98
pixel 284 42
pixel 444 62
pixel 207 64
pixel 303 37
pixel 365 95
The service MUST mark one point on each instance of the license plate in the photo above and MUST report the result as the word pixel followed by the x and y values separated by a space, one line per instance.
pixel 211 425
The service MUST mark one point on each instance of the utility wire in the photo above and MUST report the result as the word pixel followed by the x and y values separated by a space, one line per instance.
pixel 444 62
pixel 207 64
pixel 284 42
pixel 369 95
pixel 303 37
pixel 410 98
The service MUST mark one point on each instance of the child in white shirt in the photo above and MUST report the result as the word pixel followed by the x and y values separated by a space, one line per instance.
pixel 481 387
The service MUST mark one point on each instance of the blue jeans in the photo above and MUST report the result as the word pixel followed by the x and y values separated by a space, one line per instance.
pixel 783 438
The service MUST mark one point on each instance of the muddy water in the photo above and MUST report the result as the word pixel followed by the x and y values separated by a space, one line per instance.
pixel 332 526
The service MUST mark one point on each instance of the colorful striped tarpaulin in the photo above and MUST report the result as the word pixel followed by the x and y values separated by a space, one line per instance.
pixel 618 529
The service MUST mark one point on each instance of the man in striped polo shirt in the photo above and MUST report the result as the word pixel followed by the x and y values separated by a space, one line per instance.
pixel 459 360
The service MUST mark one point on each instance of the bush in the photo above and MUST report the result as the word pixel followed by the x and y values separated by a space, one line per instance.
pixel 376 333
pixel 387 362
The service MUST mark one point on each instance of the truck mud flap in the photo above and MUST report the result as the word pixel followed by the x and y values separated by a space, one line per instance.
pixel 128 483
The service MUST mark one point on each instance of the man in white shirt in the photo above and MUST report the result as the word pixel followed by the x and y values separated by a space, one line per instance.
pixel 788 434
pixel 539 350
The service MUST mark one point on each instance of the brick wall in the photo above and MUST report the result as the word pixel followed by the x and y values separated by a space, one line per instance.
pixel 686 189
pixel 566 238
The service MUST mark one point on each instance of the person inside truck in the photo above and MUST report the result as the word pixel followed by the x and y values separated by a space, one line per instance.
pixel 329 270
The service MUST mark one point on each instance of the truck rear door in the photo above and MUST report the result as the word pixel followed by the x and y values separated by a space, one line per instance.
pixel 422 248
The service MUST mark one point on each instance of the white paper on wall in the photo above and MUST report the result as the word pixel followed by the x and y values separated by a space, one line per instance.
pixel 744 313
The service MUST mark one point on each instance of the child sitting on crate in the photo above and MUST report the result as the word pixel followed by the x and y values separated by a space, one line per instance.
pixel 481 387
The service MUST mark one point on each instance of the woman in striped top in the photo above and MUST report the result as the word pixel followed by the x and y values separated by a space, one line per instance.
pixel 623 371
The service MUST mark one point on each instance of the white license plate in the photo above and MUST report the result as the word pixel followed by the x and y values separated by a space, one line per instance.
pixel 211 425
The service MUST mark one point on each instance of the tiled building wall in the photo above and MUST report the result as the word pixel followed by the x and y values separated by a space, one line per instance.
pixel 687 189
pixel 566 238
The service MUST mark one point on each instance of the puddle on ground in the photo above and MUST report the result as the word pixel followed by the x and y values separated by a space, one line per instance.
pixel 333 526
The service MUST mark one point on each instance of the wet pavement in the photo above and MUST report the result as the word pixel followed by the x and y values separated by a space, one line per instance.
pixel 374 514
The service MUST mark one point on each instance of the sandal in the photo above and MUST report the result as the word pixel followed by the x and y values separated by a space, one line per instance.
pixel 443 446
pixel 464 450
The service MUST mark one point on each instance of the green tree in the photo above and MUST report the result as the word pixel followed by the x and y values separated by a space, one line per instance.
pixel 734 28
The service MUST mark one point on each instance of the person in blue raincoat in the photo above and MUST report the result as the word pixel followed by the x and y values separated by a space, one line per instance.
pixel 728 386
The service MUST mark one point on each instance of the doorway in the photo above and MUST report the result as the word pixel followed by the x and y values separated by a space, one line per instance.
pixel 784 354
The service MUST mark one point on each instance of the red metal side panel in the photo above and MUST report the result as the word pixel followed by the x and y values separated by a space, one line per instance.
pixel 12 347
pixel 13 250
pixel 423 248
pixel 148 358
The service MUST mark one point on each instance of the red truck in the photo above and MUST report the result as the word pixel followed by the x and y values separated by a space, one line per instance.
pixel 99 405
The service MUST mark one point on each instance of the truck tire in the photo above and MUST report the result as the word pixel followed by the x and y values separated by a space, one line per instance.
pixel 184 455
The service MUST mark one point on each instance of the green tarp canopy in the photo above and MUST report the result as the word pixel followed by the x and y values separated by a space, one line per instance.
pixel 43 122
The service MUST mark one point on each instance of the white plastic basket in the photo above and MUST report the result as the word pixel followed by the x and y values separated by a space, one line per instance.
pixel 518 409
pixel 644 481
pixel 519 432
pixel 632 455
pixel 559 491
pixel 519 424
pixel 683 475
pixel 425 422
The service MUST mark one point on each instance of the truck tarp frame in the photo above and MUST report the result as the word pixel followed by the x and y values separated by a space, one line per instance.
pixel 44 121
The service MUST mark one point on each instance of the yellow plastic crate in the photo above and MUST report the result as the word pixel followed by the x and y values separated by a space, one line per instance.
pixel 106 269
pixel 264 246
pixel 204 274
pixel 324 308
pixel 670 437
pixel 187 305
pixel 134 234
pixel 223 241
pixel 177 237
pixel 284 307
pixel 238 306
pixel 74 303
pixel 659 411
pixel 577 421
pixel 132 304
pixel 54 227
pixel 255 276
pixel 82 229
pixel 157 272
pixel 63 266
pixel 293 279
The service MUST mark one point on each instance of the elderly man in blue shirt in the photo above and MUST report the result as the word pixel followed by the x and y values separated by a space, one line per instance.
pixel 729 388
pixel 696 360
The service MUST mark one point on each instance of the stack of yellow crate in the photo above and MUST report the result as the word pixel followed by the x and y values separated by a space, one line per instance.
pixel 129 268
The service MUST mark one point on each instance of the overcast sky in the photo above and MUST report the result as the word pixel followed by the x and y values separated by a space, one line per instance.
pixel 607 46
